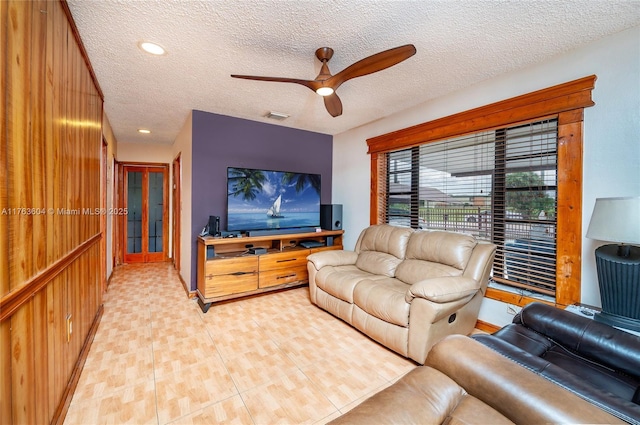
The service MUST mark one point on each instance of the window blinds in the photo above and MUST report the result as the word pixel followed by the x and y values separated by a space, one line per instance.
pixel 498 185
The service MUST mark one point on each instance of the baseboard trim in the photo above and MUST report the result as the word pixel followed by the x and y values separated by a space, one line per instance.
pixel 62 409
pixel 191 294
pixel 109 279
pixel 486 327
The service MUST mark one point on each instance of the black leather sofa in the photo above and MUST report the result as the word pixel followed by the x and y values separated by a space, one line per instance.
pixel 597 362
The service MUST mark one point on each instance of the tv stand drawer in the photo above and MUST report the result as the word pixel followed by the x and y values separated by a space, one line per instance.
pixel 225 266
pixel 283 276
pixel 233 283
pixel 280 260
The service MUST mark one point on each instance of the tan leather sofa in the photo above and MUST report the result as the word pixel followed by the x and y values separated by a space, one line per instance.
pixel 464 382
pixel 405 288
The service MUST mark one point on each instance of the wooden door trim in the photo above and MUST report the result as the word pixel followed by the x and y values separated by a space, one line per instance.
pixel 118 228
pixel 176 178
pixel 145 168
pixel 164 255
pixel 103 217
pixel 135 257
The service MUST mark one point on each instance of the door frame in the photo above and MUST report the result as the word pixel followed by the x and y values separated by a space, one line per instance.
pixel 176 209
pixel 122 219
pixel 104 151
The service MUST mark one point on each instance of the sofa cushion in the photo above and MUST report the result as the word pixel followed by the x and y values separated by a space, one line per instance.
pixel 435 254
pixel 381 248
pixel 340 281
pixel 392 336
pixel 378 263
pixel 526 339
pixel 384 299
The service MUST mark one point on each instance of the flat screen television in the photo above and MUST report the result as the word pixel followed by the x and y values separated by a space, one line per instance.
pixel 270 200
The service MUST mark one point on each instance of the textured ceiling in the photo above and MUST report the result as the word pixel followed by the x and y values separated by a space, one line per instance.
pixel 459 43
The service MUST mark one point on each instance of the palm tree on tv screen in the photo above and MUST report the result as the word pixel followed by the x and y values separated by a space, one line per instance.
pixel 246 182
pixel 302 180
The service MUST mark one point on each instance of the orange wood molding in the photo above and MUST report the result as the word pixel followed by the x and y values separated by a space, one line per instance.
pixel 511 298
pixel 15 299
pixel 550 101
pixel 486 327
pixel 374 196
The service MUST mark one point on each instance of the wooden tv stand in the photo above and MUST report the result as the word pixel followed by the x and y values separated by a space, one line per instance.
pixel 227 270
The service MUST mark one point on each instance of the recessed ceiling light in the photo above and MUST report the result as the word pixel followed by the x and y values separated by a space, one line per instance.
pixel 144 131
pixel 153 48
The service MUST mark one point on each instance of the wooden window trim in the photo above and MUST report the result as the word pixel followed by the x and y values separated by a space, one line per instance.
pixel 564 101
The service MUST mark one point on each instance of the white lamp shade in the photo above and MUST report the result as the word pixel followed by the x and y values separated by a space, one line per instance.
pixel 616 220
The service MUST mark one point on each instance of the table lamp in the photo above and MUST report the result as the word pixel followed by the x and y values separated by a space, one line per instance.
pixel 618 265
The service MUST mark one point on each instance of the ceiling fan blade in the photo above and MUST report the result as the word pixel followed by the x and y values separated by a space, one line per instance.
pixel 313 85
pixel 333 104
pixel 373 63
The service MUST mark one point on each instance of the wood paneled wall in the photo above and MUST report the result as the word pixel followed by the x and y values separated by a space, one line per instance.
pixel 50 193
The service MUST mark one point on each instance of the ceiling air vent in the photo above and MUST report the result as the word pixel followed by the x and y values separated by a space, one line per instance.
pixel 277 116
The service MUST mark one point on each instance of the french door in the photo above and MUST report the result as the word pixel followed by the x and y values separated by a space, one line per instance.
pixel 146 229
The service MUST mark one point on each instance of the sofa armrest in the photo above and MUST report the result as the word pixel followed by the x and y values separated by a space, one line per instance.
pixel 516 392
pixel 332 258
pixel 585 389
pixel 589 338
pixel 443 289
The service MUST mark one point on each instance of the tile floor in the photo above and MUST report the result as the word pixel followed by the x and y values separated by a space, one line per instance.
pixel 275 358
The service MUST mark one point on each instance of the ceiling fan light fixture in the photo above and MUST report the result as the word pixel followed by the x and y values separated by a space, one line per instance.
pixel 153 48
pixel 326 84
pixel 324 91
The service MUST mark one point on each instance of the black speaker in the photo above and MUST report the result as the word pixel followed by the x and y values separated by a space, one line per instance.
pixel 331 216
pixel 214 225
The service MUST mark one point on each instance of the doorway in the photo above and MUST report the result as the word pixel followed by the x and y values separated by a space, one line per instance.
pixel 177 208
pixel 145 231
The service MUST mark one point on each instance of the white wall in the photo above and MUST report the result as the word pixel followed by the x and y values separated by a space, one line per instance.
pixel 182 146
pixel 611 138
pixel 143 152
pixel 112 148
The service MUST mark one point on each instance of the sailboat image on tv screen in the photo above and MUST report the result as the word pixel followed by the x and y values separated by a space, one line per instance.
pixel 274 210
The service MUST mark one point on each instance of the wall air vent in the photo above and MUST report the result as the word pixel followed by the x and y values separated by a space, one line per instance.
pixel 277 116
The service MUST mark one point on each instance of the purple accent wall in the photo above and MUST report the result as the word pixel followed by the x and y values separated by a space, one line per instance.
pixel 220 141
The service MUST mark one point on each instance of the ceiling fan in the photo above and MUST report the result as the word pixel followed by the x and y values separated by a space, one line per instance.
pixel 326 84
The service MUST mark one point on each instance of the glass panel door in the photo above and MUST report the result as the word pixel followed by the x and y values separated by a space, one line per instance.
pixel 156 211
pixel 134 212
pixel 146 213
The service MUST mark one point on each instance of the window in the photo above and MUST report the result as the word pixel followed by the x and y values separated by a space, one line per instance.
pixel 498 185
pixel 509 172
